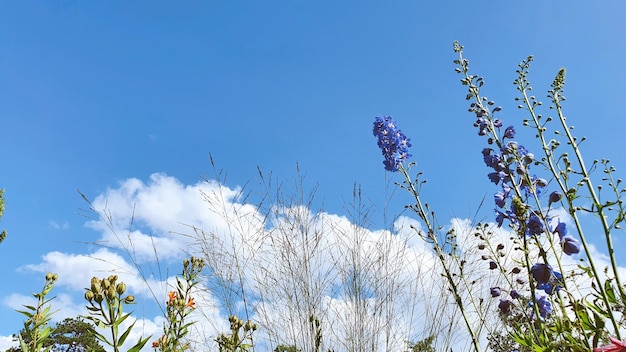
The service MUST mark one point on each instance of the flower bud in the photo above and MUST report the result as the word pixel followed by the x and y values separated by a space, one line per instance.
pixel 89 295
pixel 98 297
pixel 129 299
pixel 248 326
pixel 528 158
pixel 121 288
pixel 554 197
pixel 110 293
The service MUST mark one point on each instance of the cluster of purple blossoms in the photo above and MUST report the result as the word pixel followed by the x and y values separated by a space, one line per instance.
pixel 511 164
pixel 392 142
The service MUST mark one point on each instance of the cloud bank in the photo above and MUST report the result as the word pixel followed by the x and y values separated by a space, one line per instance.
pixel 302 276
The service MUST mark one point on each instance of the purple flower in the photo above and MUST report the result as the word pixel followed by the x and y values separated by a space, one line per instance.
pixel 554 197
pixel 494 177
pixel 554 285
pixel 392 142
pixel 500 199
pixel 509 132
pixel 505 306
pixel 534 226
pixel 500 218
pixel 542 273
pixel 545 307
pixel 514 294
pixel 495 291
pixel 570 245
pixel 561 229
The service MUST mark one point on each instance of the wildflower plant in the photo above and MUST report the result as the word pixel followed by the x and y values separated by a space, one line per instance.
pixel 106 298
pixel 36 328
pixel 394 145
pixel 554 308
pixel 179 306
pixel 544 301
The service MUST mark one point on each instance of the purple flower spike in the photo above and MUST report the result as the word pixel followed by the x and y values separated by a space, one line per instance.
pixel 392 142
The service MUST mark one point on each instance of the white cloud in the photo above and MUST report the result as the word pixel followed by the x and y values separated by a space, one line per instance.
pixel 7 342
pixel 279 265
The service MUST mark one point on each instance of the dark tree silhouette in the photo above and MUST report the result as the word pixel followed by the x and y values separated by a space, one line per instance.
pixel 70 335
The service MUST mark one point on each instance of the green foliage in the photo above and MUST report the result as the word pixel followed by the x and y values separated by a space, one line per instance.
pixel 36 330
pixel 74 335
pixel 69 335
pixel 110 315
pixel 424 345
pixel 287 348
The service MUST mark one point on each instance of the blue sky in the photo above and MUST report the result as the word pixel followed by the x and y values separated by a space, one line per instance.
pixel 95 93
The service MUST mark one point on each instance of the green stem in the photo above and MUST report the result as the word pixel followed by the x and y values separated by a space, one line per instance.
pixel 419 209
pixel 571 207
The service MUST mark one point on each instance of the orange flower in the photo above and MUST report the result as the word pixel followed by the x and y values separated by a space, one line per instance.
pixel 172 296
pixel 155 344
pixel 190 303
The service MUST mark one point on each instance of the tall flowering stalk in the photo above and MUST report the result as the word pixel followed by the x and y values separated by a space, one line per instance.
pixel 179 306
pixel 394 145
pixel 545 307
pixel 36 328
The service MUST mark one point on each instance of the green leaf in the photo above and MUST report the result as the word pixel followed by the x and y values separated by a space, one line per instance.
pixel 28 314
pixel 125 334
pixel 610 292
pixel 29 307
pixel 45 333
pixel 139 345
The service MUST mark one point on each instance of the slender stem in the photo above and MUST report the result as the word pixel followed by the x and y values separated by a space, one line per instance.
pixel 603 219
pixel 419 209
